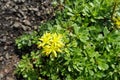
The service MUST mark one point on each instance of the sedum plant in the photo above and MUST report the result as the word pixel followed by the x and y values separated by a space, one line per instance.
pixel 81 43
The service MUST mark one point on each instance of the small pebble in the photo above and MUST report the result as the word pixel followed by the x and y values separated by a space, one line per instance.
pixel 1 76
pixel 7 56
pixel 9 78
pixel 1 58
pixel 5 47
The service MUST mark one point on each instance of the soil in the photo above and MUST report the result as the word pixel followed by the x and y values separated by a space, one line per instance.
pixel 16 18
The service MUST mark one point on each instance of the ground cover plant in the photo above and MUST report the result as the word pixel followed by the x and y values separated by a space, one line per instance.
pixel 81 43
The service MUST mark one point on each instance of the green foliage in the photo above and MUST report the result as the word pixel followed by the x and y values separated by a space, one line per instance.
pixel 26 40
pixel 92 44
pixel 26 69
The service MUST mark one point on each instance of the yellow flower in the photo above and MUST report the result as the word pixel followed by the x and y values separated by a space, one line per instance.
pixel 51 43
pixel 56 40
pixel 47 50
pixel 45 38
pixel 117 22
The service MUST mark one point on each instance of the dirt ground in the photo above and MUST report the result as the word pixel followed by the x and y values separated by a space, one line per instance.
pixel 16 18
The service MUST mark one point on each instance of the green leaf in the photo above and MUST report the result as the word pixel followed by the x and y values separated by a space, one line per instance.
pixel 91 72
pixel 69 68
pixel 103 66
pixel 69 9
pixel 70 14
pixel 106 31
pixel 76 29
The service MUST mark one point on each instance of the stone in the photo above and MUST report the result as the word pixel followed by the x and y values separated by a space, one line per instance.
pixel 26 22
pixel 24 27
pixel 1 76
pixel 19 1
pixel 21 13
pixel 5 47
pixel 38 13
pixel 33 9
pixel 6 70
pixel 1 58
pixel 17 24
pixel 35 27
pixel 7 55
pixel 9 78
pixel 2 40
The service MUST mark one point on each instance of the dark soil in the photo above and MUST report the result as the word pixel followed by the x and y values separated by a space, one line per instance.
pixel 16 18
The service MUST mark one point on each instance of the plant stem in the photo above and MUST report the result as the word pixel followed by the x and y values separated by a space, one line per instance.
pixel 114 8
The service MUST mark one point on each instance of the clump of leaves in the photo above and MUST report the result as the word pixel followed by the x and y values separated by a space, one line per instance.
pixel 91 44
pixel 26 40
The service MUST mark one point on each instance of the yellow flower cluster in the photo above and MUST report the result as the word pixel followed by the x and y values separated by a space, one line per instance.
pixel 117 22
pixel 51 43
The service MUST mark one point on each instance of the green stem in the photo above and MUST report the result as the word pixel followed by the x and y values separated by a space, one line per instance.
pixel 114 8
